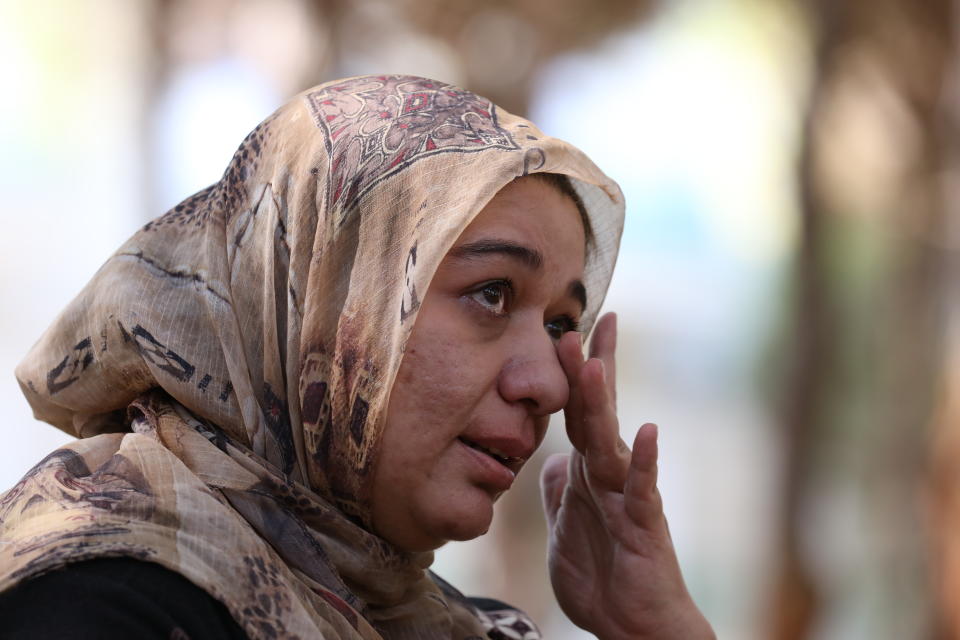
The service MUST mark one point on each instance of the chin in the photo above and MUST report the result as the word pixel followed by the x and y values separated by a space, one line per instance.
pixel 432 518
pixel 468 520
pixel 439 536
pixel 468 533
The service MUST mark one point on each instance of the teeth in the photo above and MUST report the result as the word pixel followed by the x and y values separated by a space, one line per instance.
pixel 494 453
pixel 497 453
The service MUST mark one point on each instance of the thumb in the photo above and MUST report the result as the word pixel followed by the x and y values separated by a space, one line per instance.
pixel 553 480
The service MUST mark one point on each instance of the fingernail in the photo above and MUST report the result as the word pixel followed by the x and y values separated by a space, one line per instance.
pixel 603 370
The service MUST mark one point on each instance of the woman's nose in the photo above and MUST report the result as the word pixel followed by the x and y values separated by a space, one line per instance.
pixel 533 376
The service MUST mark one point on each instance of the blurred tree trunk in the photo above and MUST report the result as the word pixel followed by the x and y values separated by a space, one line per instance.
pixel 867 52
pixel 943 482
pixel 944 498
pixel 795 597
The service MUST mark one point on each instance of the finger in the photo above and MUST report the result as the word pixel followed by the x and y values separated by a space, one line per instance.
pixel 591 420
pixel 553 481
pixel 607 457
pixel 641 497
pixel 570 353
pixel 603 345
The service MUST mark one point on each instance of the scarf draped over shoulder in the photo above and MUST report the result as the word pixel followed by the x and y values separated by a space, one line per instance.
pixel 227 370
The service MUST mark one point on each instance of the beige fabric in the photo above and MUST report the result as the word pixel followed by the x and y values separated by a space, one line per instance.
pixel 249 338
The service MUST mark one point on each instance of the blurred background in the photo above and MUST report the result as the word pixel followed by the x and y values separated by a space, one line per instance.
pixel 788 287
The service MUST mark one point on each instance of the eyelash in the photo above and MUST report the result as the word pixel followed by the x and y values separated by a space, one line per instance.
pixel 555 328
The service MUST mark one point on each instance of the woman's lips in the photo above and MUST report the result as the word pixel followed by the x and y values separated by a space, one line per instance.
pixel 498 470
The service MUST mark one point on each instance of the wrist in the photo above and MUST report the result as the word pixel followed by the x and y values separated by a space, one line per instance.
pixel 689 624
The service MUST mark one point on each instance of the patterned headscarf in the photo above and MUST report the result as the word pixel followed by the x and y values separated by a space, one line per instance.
pixel 228 368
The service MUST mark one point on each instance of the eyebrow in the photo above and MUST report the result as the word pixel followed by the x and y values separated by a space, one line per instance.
pixel 529 257
pixel 579 292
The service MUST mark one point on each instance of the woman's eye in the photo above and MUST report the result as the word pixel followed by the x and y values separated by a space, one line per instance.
pixel 559 326
pixel 493 296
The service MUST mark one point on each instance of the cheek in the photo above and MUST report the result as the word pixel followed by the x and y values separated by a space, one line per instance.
pixel 429 404
pixel 419 389
pixel 440 380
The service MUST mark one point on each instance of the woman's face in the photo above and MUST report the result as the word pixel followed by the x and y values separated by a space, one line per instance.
pixel 480 374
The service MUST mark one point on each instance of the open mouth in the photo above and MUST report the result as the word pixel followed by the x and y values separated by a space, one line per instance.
pixel 507 461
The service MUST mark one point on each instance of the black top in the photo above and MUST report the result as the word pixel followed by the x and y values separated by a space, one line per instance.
pixel 123 598
pixel 113 599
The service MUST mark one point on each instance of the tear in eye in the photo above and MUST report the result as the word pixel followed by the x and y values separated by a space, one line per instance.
pixel 559 326
pixel 493 296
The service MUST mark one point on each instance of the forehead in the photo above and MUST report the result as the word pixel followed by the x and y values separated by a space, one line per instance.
pixel 536 214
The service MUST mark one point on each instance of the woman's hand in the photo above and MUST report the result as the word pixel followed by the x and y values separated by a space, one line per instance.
pixel 611 559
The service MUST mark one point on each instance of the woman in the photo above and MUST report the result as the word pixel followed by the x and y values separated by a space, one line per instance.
pixel 299 382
